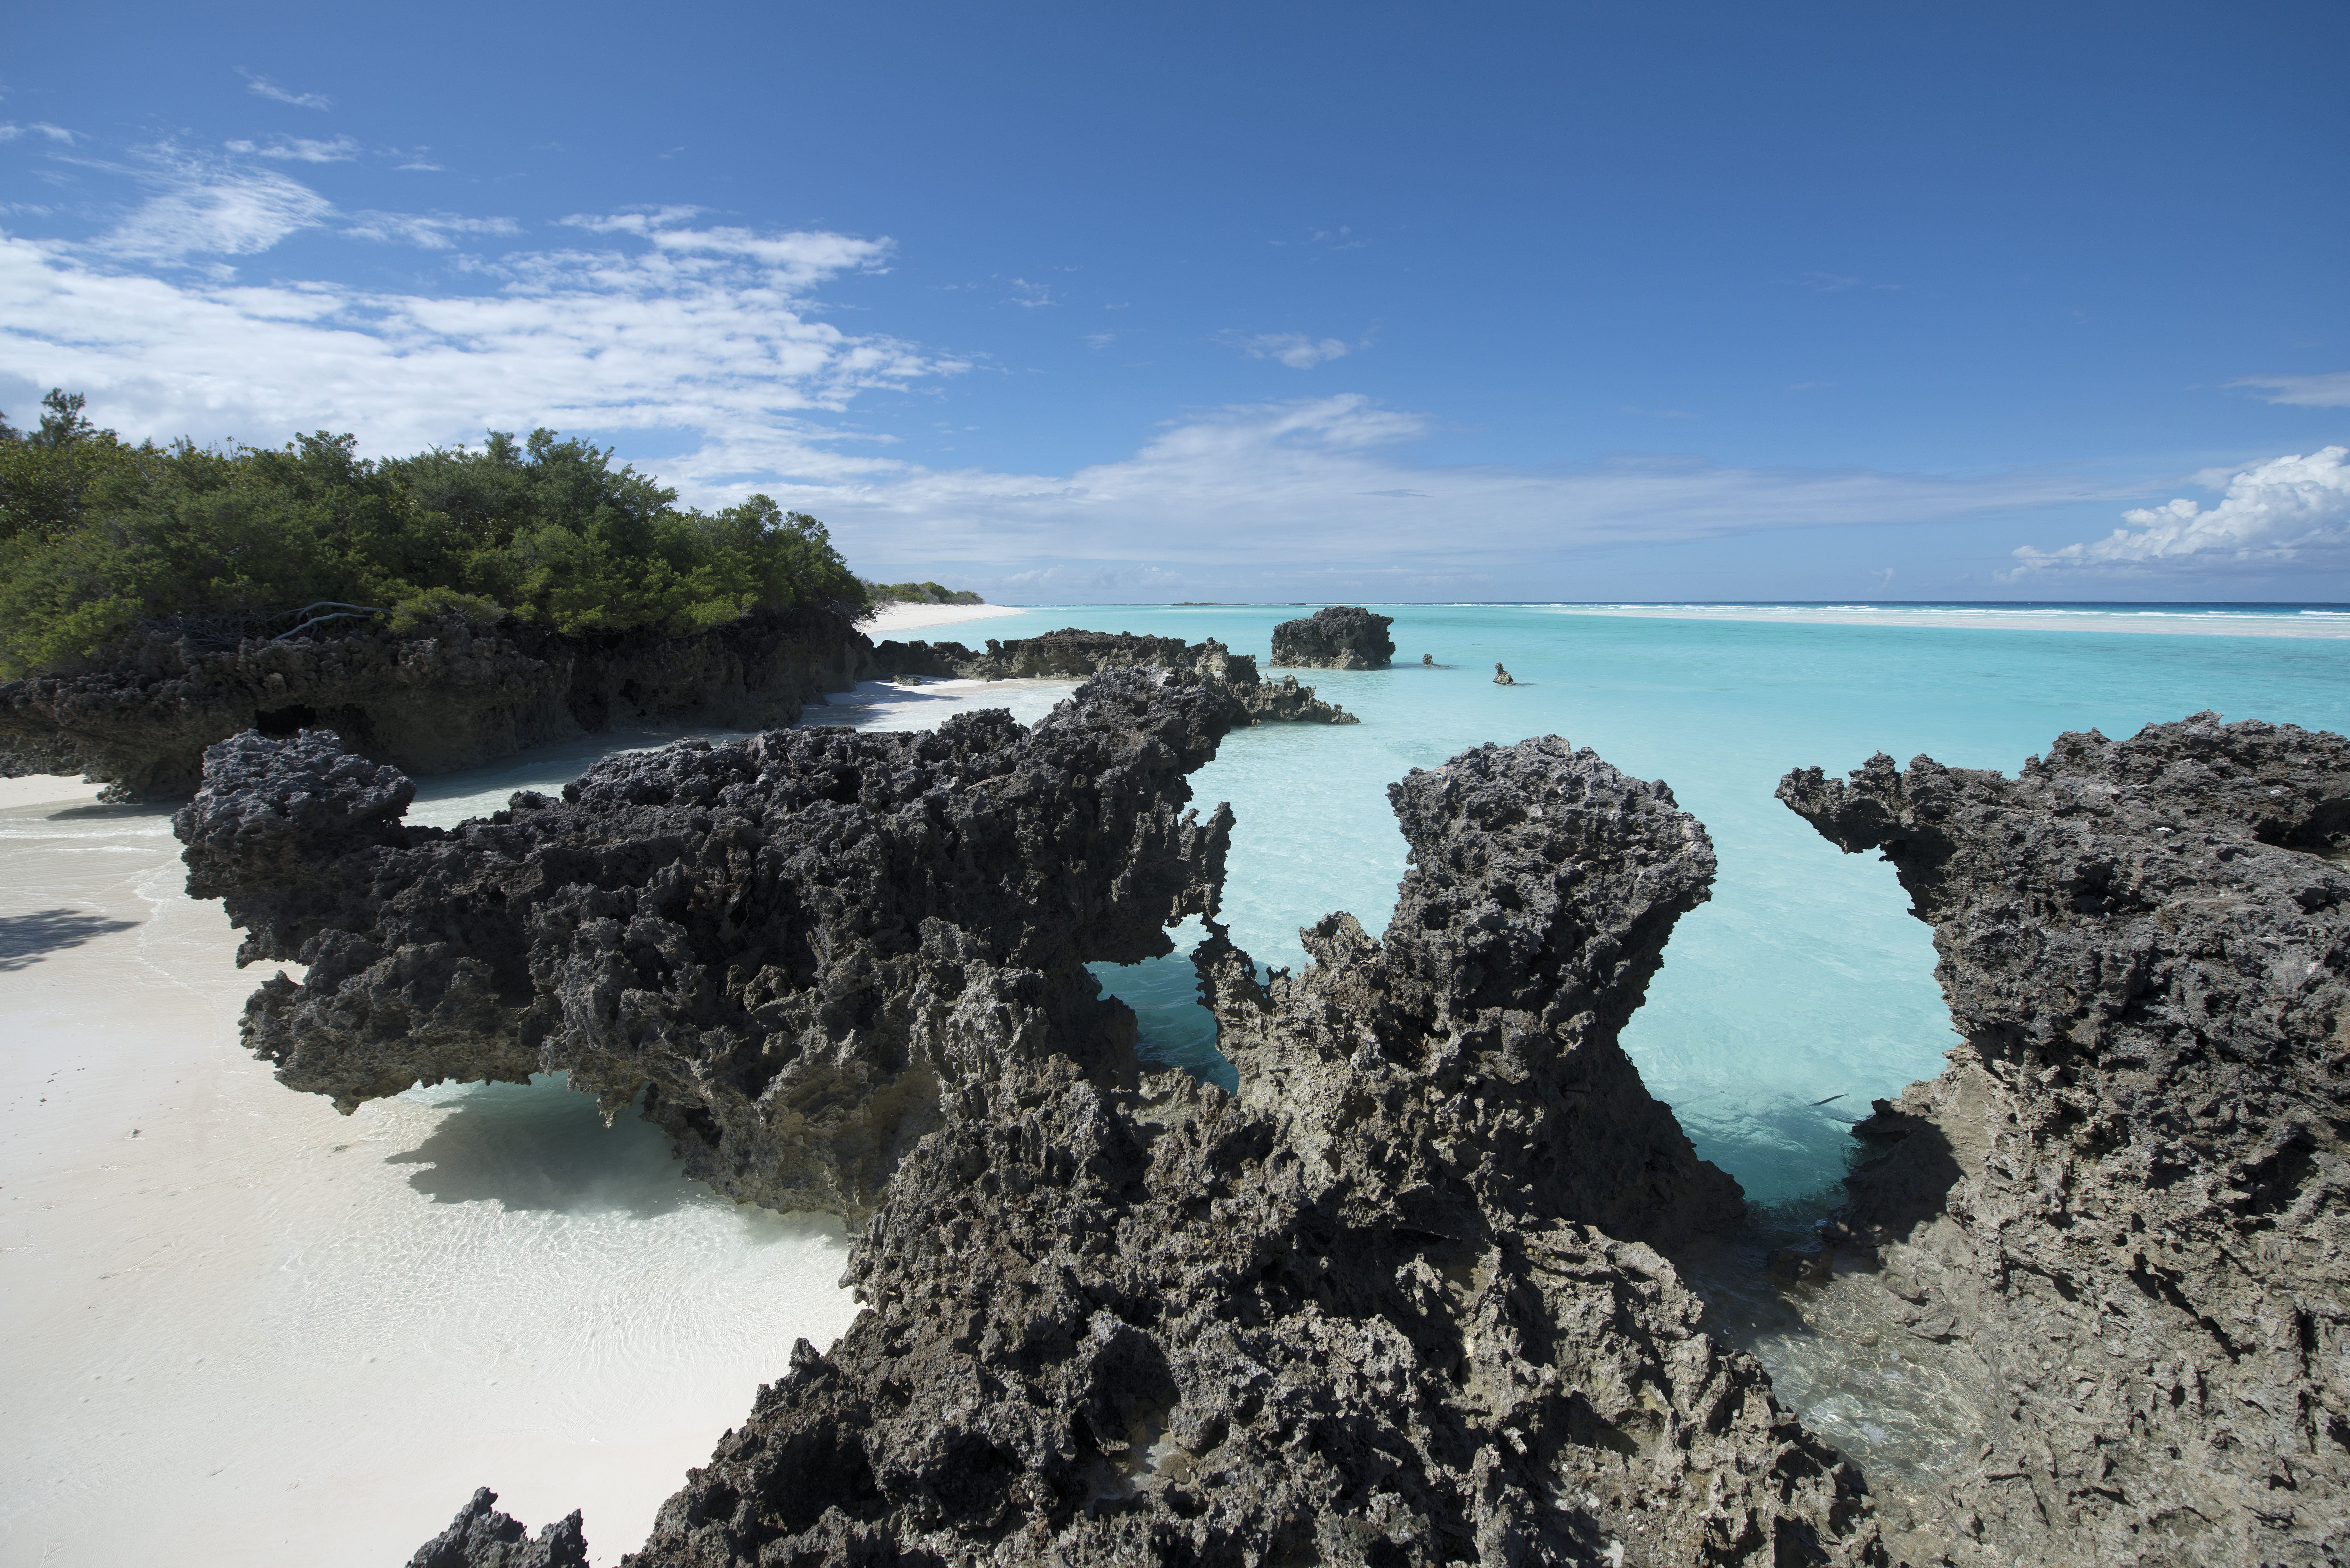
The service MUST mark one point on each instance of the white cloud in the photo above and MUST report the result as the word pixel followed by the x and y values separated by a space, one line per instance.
pixel 262 87
pixel 640 335
pixel 300 150
pixel 432 230
pixel 2286 509
pixel 10 130
pixel 797 258
pixel 2330 391
pixel 206 209
pixel 1293 489
pixel 1293 349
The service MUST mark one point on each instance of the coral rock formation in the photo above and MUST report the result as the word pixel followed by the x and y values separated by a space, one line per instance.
pixel 1360 1313
pixel 455 697
pixel 1336 636
pixel 792 946
pixel 1073 653
pixel 2119 1211
pixel 481 1537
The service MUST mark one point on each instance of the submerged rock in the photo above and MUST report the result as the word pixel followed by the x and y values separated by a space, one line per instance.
pixel 1073 653
pixel 2117 1216
pixel 1336 636
pixel 451 698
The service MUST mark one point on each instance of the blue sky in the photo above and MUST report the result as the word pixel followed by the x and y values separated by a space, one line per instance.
pixel 1082 303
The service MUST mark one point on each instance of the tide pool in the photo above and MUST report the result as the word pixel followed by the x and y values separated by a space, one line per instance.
pixel 1804 978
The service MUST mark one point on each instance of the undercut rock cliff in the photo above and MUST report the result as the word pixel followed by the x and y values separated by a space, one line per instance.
pixel 449 698
pixel 2117 1216
pixel 793 947
pixel 1336 636
pixel 1073 654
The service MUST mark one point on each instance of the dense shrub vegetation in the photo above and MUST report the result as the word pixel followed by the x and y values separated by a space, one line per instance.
pixel 99 537
pixel 919 594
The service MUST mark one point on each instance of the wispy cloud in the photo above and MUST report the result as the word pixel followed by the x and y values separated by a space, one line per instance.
pixel 262 87
pixel 205 208
pixel 300 150
pixel 1100 341
pixel 2329 390
pixel 1281 491
pixel 797 258
pixel 2287 509
pixel 431 230
pixel 1030 296
pixel 1293 349
pixel 1836 282
pixel 1662 413
pixel 10 130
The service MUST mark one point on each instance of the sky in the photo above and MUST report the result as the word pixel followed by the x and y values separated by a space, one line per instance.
pixel 1137 303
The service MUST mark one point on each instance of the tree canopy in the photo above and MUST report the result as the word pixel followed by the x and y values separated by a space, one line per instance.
pixel 99 537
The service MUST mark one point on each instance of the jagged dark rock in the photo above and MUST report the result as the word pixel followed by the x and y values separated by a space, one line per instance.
pixel 451 698
pixel 1362 1312
pixel 791 946
pixel 2117 1216
pixel 1394 1302
pixel 1073 653
pixel 1336 636
pixel 481 1537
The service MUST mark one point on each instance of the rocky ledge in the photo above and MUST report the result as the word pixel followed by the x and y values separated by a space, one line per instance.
pixel 1073 654
pixel 1337 637
pixel 2117 1216
pixel 444 698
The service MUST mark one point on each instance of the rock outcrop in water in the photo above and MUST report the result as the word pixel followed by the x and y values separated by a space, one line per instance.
pixel 1394 1302
pixel 793 947
pixel 2120 1212
pixel 1363 1312
pixel 451 698
pixel 1336 636
pixel 1074 654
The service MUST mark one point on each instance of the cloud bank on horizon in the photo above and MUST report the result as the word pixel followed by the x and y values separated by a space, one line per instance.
pixel 705 351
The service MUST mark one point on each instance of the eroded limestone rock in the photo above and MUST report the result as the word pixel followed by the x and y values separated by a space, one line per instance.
pixel 791 946
pixel 1073 653
pixel 1336 636
pixel 483 1537
pixel 440 701
pixel 1362 1312
pixel 2120 1212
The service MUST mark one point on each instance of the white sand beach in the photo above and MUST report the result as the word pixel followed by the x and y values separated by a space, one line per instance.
pixel 298 1338
pixel 889 620
pixel 2023 618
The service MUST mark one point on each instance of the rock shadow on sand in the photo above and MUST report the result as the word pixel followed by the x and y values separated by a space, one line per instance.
pixel 25 939
pixel 540 1147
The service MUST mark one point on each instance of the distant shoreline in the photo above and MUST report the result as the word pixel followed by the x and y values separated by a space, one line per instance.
pixel 891 618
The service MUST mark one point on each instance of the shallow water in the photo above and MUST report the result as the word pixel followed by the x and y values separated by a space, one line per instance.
pixel 303 1338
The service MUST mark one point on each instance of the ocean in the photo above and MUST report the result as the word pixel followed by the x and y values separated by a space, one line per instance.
pixel 302 1338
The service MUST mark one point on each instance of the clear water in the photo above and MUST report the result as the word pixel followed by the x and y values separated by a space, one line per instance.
pixel 1804 978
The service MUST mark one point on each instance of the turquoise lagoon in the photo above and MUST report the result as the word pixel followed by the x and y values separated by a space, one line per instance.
pixel 1804 978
